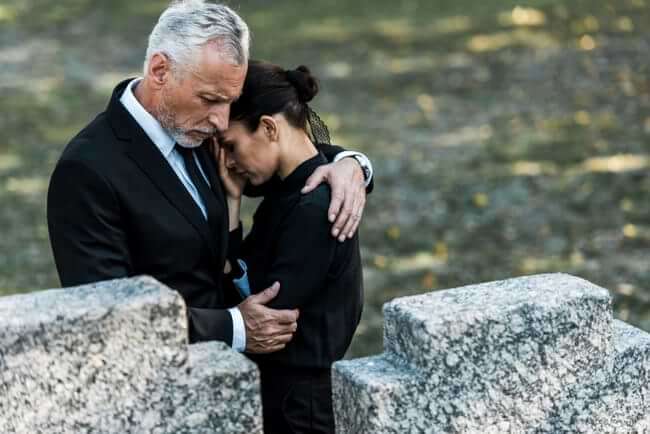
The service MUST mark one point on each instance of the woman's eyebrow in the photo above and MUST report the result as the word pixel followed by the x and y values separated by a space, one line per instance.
pixel 223 141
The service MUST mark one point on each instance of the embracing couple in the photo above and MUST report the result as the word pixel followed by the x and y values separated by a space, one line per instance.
pixel 153 185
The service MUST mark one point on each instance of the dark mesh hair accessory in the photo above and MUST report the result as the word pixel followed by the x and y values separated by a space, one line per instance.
pixel 306 88
pixel 319 131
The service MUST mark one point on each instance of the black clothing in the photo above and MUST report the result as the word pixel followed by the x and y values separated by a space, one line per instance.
pixel 117 209
pixel 290 242
pixel 297 401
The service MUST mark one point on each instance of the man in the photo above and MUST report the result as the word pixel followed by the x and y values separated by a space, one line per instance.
pixel 137 191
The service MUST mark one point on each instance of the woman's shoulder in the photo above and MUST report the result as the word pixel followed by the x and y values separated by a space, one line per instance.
pixel 317 200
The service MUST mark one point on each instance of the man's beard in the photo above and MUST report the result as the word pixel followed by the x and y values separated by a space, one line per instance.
pixel 167 119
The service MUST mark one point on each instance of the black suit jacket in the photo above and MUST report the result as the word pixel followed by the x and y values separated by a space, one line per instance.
pixel 116 208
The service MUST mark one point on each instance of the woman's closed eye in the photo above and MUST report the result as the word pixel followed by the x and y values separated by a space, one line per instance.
pixel 227 145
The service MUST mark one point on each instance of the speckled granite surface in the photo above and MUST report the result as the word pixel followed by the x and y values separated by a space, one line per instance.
pixel 113 358
pixel 538 354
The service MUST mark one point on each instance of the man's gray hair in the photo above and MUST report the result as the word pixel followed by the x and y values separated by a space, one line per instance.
pixel 187 25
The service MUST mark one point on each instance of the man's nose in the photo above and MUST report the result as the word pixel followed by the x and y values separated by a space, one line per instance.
pixel 218 117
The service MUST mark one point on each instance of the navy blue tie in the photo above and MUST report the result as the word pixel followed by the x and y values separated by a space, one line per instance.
pixel 207 195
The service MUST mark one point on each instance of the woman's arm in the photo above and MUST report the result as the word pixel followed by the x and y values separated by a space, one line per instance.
pixel 302 257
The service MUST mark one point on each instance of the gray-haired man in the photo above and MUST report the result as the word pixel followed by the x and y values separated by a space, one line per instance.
pixel 123 200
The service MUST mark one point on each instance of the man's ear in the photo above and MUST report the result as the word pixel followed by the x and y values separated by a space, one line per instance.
pixel 270 128
pixel 160 69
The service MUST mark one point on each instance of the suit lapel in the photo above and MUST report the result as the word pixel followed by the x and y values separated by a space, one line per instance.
pixel 149 159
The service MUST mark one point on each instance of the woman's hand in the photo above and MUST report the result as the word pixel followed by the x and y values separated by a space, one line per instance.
pixel 232 181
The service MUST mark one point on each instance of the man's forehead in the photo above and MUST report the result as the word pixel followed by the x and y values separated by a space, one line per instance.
pixel 213 56
pixel 218 74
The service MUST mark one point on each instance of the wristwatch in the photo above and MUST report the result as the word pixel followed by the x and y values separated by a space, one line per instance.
pixel 364 166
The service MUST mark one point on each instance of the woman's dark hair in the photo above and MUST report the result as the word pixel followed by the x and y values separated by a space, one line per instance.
pixel 269 89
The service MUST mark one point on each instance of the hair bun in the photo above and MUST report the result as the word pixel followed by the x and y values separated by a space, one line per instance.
pixel 305 83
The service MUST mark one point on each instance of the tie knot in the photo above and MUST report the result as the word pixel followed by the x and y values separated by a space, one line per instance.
pixel 185 152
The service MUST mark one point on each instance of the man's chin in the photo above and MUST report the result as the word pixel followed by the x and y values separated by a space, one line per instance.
pixel 187 142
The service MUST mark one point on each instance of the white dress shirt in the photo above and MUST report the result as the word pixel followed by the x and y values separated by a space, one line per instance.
pixel 166 145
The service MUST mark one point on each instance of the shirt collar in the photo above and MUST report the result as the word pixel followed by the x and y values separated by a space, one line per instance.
pixel 148 123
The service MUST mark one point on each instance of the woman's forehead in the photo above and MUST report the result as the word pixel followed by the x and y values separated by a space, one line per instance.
pixel 235 129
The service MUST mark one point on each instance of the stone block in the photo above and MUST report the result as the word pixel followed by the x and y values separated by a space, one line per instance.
pixel 516 321
pixel 532 354
pixel 113 357
pixel 220 394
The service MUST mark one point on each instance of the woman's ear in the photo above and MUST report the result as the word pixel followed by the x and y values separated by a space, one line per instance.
pixel 270 128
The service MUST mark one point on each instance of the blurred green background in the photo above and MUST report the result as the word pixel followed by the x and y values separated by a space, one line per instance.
pixel 508 138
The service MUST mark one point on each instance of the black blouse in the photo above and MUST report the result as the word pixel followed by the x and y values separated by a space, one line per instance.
pixel 290 242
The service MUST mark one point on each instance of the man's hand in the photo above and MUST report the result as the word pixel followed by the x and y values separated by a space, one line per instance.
pixel 345 178
pixel 267 330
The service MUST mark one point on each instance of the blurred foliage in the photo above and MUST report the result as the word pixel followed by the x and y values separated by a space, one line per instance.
pixel 508 137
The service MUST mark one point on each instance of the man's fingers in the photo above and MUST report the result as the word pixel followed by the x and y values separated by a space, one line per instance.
pixel 349 223
pixel 343 217
pixel 278 338
pixel 285 317
pixel 267 349
pixel 357 213
pixel 316 178
pixel 267 295
pixel 283 339
pixel 353 222
pixel 350 226
pixel 335 207
pixel 355 226
pixel 268 344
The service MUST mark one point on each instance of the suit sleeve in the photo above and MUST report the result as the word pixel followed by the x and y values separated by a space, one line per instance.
pixel 305 249
pixel 330 151
pixel 209 325
pixel 86 231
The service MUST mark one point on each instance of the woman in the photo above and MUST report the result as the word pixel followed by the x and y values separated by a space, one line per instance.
pixel 290 243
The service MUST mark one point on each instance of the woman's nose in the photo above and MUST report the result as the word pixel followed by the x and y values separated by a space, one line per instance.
pixel 230 162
